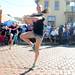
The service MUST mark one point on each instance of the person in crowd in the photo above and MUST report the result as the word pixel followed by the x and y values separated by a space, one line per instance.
pixel 66 36
pixel 13 29
pixel 60 32
pixel 37 32
pixel 2 37
pixel 54 34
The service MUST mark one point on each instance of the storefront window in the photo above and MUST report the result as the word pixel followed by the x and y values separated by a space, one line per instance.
pixel 51 18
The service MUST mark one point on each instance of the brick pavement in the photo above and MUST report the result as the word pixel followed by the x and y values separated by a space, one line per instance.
pixel 52 60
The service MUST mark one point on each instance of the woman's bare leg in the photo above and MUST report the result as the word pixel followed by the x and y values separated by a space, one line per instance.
pixel 25 37
pixel 37 46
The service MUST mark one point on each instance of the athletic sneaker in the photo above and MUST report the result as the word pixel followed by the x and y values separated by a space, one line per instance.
pixel 33 65
pixel 33 47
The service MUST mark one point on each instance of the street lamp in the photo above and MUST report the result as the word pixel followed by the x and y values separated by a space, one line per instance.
pixel 72 4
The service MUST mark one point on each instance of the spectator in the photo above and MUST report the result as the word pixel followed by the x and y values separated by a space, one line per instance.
pixel 13 29
pixel 60 32
pixel 66 36
pixel 54 34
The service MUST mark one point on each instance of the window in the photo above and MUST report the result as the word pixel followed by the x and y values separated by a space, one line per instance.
pixel 36 1
pixel 67 2
pixel 74 9
pixel 51 18
pixel 56 5
pixel 46 4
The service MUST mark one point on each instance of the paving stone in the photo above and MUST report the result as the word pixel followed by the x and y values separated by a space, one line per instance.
pixel 52 60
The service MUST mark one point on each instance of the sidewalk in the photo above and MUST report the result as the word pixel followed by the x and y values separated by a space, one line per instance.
pixel 52 60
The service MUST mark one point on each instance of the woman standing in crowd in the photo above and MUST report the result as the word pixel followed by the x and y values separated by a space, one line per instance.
pixel 37 32
pixel 13 30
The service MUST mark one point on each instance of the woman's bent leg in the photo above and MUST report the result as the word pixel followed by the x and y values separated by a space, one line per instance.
pixel 25 37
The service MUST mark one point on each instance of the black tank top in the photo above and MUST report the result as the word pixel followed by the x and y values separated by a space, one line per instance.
pixel 38 27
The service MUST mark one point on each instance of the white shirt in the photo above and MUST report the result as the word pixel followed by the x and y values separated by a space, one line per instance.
pixel 54 32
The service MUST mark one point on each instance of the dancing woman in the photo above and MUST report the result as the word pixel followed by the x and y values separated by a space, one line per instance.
pixel 37 33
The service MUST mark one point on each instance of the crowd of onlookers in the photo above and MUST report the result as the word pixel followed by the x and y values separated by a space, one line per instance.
pixel 11 34
pixel 64 34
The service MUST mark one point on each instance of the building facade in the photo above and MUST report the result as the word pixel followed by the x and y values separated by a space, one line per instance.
pixel 0 15
pixel 59 11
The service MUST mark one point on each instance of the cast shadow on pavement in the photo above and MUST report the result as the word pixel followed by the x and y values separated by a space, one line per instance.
pixel 27 71
pixel 46 47
pixel 52 46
